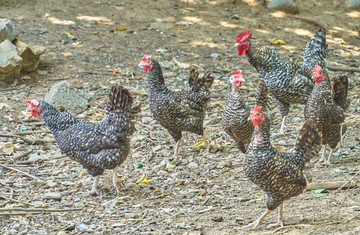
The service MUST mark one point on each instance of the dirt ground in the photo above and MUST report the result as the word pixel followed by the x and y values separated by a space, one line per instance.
pixel 205 193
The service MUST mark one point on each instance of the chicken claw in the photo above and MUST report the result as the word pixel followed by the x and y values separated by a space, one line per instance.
pixel 257 222
pixel 94 190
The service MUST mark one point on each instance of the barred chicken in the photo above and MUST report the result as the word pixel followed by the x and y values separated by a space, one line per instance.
pixel 326 107
pixel 96 146
pixel 278 174
pixel 178 111
pixel 289 83
pixel 235 118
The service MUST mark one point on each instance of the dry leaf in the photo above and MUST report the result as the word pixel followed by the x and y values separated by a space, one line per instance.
pixel 183 41
pixel 198 144
pixel 276 41
pixel 119 28
pixel 183 27
pixel 143 180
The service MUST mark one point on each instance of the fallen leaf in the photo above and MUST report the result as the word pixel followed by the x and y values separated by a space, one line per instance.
pixel 198 144
pixel 183 27
pixel 277 147
pixel 81 172
pixel 119 28
pixel 276 41
pixel 69 35
pixel 183 41
pixel 320 191
pixel 144 180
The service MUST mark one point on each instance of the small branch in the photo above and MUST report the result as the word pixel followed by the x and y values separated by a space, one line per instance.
pixel 40 209
pixel 310 21
pixel 343 68
pixel 330 185
pixel 22 172
pixel 22 155
pixel 14 200
pixel 348 182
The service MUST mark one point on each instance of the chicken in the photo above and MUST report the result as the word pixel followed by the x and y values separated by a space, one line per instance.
pixel 178 111
pixel 289 83
pixel 96 146
pixel 326 107
pixel 278 174
pixel 235 118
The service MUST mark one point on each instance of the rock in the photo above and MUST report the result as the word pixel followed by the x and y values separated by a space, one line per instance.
pixel 354 4
pixel 62 95
pixel 192 165
pixel 7 30
pixel 10 62
pixel 53 195
pixel 30 55
pixel 288 6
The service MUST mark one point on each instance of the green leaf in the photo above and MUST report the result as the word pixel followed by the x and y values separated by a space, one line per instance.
pixel 320 191
pixel 23 128
pixel 139 165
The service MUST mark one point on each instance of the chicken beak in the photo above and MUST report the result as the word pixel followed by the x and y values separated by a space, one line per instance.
pixel 141 66
pixel 237 44
pixel 249 118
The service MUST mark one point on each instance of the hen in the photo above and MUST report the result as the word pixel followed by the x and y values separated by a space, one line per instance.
pixel 235 118
pixel 326 107
pixel 178 111
pixel 96 146
pixel 289 83
pixel 278 174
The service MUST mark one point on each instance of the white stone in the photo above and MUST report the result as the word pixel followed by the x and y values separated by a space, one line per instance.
pixel 7 30
pixel 10 62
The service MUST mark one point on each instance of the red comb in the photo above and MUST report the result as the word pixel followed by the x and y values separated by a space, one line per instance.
pixel 317 69
pixel 253 111
pixel 243 35
pixel 29 101
pixel 146 57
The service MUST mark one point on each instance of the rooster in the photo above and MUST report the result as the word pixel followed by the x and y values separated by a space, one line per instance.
pixel 96 146
pixel 326 107
pixel 289 83
pixel 278 174
pixel 178 111
pixel 235 120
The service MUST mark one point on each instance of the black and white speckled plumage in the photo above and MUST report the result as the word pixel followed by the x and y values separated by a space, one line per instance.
pixel 235 118
pixel 280 174
pixel 289 83
pixel 314 53
pixel 97 146
pixel 327 106
pixel 179 111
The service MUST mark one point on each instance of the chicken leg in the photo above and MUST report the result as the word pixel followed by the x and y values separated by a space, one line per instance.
pixel 322 159
pixel 328 161
pixel 283 127
pixel 207 146
pixel 281 219
pixel 115 180
pixel 258 221
pixel 93 190
pixel 177 146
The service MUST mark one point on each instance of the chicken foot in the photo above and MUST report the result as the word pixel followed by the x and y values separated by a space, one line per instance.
pixel 322 159
pixel 283 127
pixel 281 219
pixel 94 187
pixel 177 146
pixel 115 180
pixel 258 221
pixel 207 146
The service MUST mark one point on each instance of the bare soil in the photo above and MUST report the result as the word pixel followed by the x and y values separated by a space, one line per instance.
pixel 205 193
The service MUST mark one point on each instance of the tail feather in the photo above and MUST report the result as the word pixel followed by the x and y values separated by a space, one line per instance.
pixel 195 82
pixel 315 50
pixel 263 95
pixel 308 142
pixel 340 91
pixel 119 99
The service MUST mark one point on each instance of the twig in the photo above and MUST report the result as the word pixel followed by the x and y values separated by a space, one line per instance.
pixel 14 200
pixel 22 172
pixel 343 68
pixel 296 225
pixel 22 155
pixel 310 21
pixel 347 221
pixel 330 185
pixel 348 182
pixel 40 209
